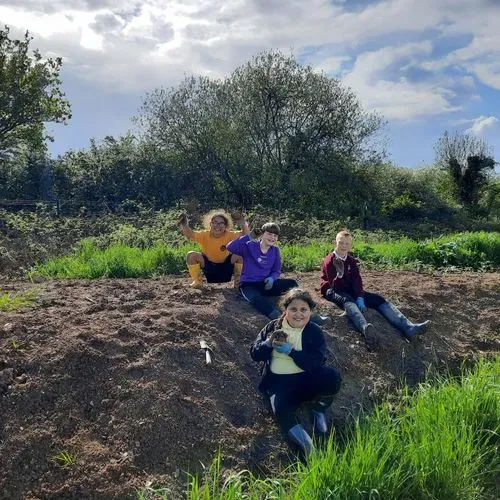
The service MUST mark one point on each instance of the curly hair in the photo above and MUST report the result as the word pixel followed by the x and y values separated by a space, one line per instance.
pixel 207 218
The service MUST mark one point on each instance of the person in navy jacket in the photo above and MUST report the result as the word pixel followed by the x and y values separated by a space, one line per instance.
pixel 293 351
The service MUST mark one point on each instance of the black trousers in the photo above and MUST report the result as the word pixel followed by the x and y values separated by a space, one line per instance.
pixel 288 392
pixel 255 293
pixel 372 300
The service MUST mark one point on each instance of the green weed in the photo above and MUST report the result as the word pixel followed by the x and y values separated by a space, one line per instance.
pixel 10 302
pixel 65 459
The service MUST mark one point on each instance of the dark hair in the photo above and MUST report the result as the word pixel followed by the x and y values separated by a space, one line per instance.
pixel 297 293
pixel 271 227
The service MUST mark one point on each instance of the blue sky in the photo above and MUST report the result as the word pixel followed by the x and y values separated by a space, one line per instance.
pixel 425 65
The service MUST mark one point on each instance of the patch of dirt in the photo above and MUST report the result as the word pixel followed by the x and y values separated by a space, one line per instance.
pixel 111 371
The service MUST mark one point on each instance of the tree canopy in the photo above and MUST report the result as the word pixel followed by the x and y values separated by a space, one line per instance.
pixel 469 162
pixel 272 130
pixel 30 94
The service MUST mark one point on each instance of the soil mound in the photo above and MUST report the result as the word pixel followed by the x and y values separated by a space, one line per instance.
pixel 111 372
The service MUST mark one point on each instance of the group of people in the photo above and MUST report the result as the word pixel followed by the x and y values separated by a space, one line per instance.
pixel 292 345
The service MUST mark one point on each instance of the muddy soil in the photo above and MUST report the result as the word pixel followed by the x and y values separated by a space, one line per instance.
pixel 111 372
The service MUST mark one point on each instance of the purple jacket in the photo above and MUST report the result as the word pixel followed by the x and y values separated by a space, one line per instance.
pixel 257 266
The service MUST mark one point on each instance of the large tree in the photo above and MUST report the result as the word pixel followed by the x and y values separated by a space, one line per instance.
pixel 30 94
pixel 469 162
pixel 272 130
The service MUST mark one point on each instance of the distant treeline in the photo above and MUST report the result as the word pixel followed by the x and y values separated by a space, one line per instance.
pixel 273 134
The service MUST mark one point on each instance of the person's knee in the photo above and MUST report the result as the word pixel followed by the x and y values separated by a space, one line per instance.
pixel 236 259
pixel 194 258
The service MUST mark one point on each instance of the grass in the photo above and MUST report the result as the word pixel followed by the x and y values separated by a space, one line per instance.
pixel 473 251
pixel 10 302
pixel 440 443
pixel 65 459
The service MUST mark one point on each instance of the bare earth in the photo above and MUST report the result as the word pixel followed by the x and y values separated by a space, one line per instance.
pixel 112 372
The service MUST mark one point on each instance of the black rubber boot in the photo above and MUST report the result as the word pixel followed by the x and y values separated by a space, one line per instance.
pixel 321 320
pixel 301 438
pixel 366 329
pixel 398 320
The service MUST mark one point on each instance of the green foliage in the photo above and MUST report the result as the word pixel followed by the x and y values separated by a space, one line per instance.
pixel 273 132
pixel 468 250
pixel 403 205
pixel 116 261
pixel 470 164
pixel 30 94
pixel 10 302
pixel 65 459
pixel 480 250
pixel 440 442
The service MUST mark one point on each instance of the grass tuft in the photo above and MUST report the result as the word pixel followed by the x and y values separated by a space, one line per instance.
pixel 65 459
pixel 10 302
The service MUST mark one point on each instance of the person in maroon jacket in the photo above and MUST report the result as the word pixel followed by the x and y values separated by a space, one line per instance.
pixel 341 284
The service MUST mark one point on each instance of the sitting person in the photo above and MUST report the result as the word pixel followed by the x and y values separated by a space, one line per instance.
pixel 260 277
pixel 341 284
pixel 217 264
pixel 293 350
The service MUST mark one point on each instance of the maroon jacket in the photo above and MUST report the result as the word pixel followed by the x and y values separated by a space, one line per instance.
pixel 350 283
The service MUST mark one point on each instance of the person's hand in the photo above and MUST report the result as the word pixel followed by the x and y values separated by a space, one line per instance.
pixel 183 220
pixel 360 302
pixel 279 336
pixel 339 266
pixel 282 347
pixel 268 283
pixel 255 233
pixel 238 217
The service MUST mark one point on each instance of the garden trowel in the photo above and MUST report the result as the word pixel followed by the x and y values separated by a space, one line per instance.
pixel 208 351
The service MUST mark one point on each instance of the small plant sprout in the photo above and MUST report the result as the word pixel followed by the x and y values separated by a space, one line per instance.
pixel 65 459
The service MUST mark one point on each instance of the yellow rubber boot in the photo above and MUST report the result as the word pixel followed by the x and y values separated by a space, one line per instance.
pixel 237 274
pixel 195 273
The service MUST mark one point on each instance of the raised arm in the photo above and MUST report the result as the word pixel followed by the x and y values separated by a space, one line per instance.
pixel 186 230
pixel 239 245
pixel 238 218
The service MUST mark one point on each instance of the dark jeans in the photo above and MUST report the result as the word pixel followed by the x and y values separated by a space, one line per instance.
pixel 255 293
pixel 288 392
pixel 372 300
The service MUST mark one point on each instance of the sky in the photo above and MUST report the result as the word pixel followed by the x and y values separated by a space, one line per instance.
pixel 425 65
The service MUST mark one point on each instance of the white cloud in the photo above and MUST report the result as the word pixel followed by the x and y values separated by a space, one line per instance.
pixel 398 98
pixel 134 46
pixel 481 123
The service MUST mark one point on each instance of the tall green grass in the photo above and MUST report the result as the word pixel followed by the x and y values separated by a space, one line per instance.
pixel 478 250
pixel 475 251
pixel 116 261
pixel 10 302
pixel 440 443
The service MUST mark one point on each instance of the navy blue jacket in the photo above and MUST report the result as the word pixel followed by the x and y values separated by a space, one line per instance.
pixel 312 356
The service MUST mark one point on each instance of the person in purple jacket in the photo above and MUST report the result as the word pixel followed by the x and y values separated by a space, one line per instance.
pixel 341 284
pixel 260 276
